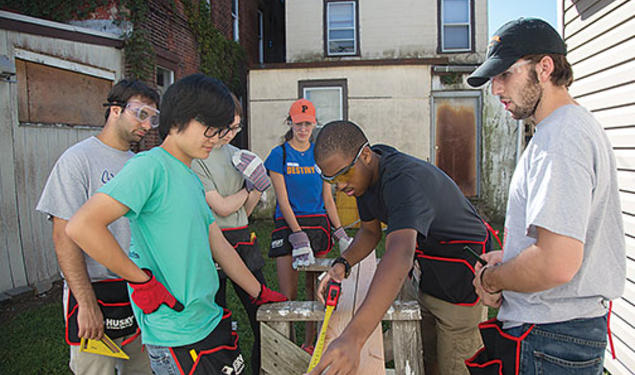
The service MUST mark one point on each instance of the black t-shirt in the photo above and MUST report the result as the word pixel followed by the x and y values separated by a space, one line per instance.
pixel 412 193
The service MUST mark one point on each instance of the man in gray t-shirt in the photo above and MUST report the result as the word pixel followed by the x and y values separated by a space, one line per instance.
pixel 564 253
pixel 81 170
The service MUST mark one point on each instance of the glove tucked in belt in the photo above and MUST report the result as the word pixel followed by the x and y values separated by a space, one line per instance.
pixel 267 295
pixel 302 253
pixel 149 295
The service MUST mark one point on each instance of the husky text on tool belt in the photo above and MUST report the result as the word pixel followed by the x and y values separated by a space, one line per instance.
pixel 333 291
pixel 113 300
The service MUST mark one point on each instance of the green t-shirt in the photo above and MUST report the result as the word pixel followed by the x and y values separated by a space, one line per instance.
pixel 169 222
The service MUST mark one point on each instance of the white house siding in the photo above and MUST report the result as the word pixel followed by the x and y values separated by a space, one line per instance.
pixel 601 44
pixel 27 153
pixel 387 29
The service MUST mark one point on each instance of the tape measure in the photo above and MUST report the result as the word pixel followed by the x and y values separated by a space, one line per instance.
pixel 333 289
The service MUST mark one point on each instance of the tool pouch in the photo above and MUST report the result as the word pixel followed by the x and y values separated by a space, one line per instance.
pixel 113 300
pixel 218 353
pixel 317 228
pixel 246 245
pixel 500 354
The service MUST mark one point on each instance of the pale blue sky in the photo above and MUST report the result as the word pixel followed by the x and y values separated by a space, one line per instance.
pixel 501 11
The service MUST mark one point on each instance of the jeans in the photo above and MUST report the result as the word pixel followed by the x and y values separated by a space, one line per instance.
pixel 161 360
pixel 572 347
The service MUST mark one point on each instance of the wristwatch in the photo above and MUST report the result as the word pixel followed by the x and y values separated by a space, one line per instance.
pixel 347 266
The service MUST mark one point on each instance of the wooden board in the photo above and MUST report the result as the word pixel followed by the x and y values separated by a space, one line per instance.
pixel 354 290
pixel 280 355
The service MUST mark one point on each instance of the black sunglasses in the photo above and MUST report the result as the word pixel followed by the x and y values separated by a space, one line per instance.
pixel 344 171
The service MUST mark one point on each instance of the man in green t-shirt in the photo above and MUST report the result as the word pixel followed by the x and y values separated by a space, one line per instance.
pixel 175 239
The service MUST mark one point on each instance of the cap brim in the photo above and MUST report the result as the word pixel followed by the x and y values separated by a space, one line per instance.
pixel 303 117
pixel 490 68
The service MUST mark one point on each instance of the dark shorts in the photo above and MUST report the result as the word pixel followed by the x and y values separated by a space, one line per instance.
pixel 246 244
pixel 218 353
pixel 317 228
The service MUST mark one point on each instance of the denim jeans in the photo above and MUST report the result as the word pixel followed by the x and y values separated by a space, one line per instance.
pixel 161 360
pixel 572 347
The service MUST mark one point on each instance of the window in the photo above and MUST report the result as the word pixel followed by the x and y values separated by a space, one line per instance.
pixel 330 98
pixel 261 45
pixel 456 136
pixel 235 19
pixel 456 25
pixel 165 77
pixel 341 33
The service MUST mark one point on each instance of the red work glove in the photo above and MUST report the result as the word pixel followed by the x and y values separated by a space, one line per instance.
pixel 148 296
pixel 267 295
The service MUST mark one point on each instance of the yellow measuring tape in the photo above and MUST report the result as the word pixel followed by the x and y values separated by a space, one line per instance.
pixel 333 294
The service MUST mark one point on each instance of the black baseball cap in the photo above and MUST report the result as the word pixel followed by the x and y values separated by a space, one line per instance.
pixel 513 40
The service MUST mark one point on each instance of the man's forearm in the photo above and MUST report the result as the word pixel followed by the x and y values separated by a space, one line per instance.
pixel 362 245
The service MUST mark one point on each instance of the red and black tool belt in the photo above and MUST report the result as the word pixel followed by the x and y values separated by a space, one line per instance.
pixel 218 353
pixel 113 300
pixel 447 270
pixel 500 354
pixel 317 227
pixel 246 244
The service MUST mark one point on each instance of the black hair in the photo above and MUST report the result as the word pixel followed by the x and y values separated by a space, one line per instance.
pixel 196 97
pixel 343 137
pixel 126 89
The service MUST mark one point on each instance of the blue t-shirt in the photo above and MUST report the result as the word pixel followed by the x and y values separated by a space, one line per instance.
pixel 169 222
pixel 302 178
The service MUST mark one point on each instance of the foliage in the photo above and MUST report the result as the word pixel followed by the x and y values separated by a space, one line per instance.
pixel 54 10
pixel 219 57
pixel 138 51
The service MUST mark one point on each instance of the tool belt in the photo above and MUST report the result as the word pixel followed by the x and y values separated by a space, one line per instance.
pixel 113 300
pixel 246 244
pixel 447 270
pixel 317 228
pixel 218 353
pixel 500 354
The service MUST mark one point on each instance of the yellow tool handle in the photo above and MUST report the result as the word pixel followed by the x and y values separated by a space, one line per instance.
pixel 319 347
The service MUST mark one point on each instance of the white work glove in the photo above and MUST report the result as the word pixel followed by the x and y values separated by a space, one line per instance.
pixel 302 253
pixel 343 240
pixel 250 165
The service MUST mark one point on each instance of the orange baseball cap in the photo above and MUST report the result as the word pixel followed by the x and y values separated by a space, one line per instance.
pixel 302 110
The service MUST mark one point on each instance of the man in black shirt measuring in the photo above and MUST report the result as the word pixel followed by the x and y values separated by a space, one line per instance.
pixel 428 219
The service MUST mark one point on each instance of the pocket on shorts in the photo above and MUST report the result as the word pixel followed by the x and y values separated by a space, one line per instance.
pixel 161 360
pixel 548 364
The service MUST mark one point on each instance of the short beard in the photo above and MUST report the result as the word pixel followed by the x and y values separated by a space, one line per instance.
pixel 530 97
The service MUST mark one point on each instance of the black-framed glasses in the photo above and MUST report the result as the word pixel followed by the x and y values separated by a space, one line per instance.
pixel 211 132
pixel 340 176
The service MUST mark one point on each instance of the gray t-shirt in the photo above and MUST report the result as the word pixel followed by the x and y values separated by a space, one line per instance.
pixel 81 170
pixel 218 173
pixel 566 182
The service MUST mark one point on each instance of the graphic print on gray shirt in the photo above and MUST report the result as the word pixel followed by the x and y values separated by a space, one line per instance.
pixel 79 172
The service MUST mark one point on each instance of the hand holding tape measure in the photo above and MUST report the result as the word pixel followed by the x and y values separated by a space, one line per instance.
pixel 333 291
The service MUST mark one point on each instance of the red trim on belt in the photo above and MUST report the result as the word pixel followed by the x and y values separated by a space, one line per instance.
pixel 236 228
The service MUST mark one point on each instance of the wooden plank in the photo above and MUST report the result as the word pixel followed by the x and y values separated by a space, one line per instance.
pixel 372 353
pixel 626 180
pixel 624 353
pixel 313 311
pixel 408 347
pixel 629 294
pixel 320 265
pixel 613 56
pixel 629 224
pixel 617 96
pixel 624 311
pixel 630 247
pixel 280 356
pixel 622 137
pixel 622 116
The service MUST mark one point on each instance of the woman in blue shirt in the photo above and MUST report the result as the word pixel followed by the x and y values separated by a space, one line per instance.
pixel 305 209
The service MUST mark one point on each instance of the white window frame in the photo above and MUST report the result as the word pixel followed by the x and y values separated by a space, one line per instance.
pixel 235 22
pixel 328 39
pixel 318 88
pixel 468 24
pixel 261 37
pixel 170 76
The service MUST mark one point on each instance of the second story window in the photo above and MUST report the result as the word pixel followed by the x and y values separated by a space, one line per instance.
pixel 235 19
pixel 456 25
pixel 340 34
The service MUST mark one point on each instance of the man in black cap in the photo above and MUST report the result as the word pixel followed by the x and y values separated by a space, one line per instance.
pixel 564 256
